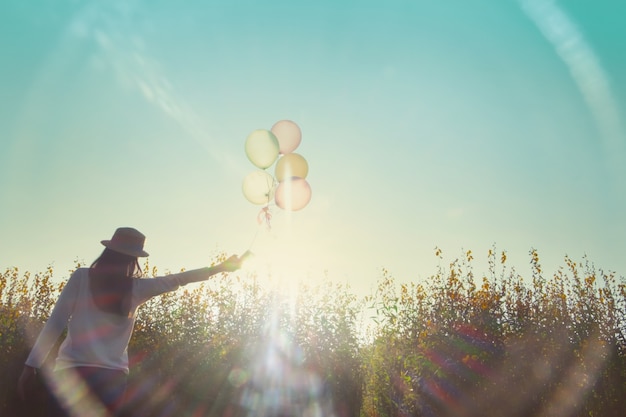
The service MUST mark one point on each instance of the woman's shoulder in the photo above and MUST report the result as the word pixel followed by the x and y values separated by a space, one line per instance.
pixel 79 273
pixel 83 270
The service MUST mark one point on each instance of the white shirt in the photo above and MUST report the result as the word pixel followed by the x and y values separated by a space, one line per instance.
pixel 94 337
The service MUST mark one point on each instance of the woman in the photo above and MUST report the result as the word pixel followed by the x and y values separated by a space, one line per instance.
pixel 98 307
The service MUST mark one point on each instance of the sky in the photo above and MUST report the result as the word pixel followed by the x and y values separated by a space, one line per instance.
pixel 462 125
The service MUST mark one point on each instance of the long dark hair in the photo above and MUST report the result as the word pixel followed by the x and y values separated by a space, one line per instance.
pixel 111 281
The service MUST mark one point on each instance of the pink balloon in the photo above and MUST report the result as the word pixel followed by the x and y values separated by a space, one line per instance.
pixel 293 194
pixel 288 134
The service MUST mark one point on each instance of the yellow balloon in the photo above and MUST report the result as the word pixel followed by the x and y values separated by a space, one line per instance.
pixel 258 187
pixel 291 165
pixel 262 148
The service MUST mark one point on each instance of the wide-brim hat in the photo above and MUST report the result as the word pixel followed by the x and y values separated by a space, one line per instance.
pixel 128 241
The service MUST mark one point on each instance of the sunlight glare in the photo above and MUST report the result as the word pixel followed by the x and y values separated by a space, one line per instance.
pixel 280 264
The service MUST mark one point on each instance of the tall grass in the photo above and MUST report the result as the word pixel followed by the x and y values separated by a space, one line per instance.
pixel 499 344
pixel 458 343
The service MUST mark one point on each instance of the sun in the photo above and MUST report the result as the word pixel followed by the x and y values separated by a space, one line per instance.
pixel 280 264
pixel 284 257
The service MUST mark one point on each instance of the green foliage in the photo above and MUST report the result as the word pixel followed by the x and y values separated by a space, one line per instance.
pixel 498 345
pixel 455 343
pixel 25 302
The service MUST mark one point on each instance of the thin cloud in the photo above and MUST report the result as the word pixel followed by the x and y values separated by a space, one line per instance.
pixel 586 70
pixel 124 51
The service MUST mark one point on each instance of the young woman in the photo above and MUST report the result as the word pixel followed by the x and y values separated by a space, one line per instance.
pixel 98 306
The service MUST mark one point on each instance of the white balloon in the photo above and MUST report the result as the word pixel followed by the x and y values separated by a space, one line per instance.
pixel 259 187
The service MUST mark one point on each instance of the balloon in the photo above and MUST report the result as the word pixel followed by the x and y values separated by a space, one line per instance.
pixel 258 187
pixel 293 194
pixel 288 134
pixel 262 148
pixel 291 165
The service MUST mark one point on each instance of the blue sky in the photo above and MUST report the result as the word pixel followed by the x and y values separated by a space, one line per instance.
pixel 457 124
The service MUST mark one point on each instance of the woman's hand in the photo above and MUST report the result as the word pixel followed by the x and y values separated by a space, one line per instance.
pixel 234 262
pixel 202 274
pixel 25 381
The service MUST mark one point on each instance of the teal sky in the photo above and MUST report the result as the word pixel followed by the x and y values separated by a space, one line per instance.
pixel 449 123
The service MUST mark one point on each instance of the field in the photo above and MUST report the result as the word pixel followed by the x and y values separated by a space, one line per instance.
pixel 454 344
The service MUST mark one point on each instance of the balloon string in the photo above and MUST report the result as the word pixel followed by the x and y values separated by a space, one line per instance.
pixel 254 238
pixel 264 217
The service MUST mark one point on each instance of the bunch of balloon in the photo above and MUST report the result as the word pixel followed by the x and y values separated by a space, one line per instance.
pixel 288 188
